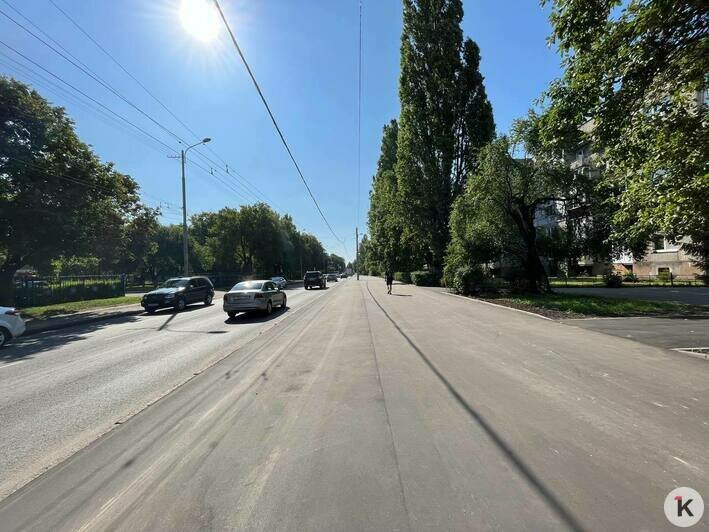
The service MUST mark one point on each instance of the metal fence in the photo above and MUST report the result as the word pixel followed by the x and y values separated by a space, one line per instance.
pixel 39 291
pixel 635 280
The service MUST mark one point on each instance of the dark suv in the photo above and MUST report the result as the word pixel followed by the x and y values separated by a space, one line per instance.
pixel 312 279
pixel 179 292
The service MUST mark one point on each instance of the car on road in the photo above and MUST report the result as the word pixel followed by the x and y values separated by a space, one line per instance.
pixel 281 282
pixel 331 277
pixel 248 296
pixel 179 292
pixel 313 278
pixel 343 276
pixel 11 324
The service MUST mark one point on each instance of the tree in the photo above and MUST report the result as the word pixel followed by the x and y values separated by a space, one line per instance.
pixel 335 263
pixel 445 119
pixel 56 197
pixel 496 217
pixel 140 244
pixel 638 70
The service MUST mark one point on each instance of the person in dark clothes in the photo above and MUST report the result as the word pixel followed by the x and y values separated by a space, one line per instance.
pixel 389 280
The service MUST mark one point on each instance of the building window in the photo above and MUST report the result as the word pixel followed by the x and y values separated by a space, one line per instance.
pixel 661 244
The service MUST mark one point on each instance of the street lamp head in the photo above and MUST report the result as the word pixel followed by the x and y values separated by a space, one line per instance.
pixel 205 140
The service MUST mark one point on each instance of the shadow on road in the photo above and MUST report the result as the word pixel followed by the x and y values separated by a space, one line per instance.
pixel 255 317
pixel 26 346
pixel 535 482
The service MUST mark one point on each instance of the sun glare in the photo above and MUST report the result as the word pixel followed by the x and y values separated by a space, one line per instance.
pixel 200 19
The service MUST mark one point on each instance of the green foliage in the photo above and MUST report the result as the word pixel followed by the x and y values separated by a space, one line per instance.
pixel 403 277
pixel 584 305
pixel 468 280
pixel 496 217
pixel 426 278
pixel 56 197
pixel 65 266
pixel 635 69
pixel 612 279
pixel 630 277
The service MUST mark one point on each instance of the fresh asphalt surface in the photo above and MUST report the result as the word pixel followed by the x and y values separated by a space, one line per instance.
pixel 354 410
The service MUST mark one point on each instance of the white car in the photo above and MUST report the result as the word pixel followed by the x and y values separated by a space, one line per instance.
pixel 11 324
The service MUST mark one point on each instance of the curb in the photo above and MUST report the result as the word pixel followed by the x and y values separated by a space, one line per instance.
pixel 65 324
pixel 499 306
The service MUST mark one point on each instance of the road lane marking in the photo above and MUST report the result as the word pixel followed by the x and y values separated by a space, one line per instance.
pixel 11 364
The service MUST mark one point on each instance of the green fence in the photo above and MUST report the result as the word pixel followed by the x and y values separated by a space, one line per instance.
pixel 39 291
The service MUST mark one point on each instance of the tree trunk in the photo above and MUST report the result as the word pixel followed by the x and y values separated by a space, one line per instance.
pixel 534 269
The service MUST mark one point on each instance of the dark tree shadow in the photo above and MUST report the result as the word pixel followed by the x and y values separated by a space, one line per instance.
pixel 255 316
pixel 31 344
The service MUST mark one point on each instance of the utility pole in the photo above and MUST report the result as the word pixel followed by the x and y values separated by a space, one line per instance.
pixel 185 250
pixel 185 234
pixel 357 250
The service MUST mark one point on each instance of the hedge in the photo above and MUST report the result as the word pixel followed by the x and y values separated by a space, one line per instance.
pixel 402 277
pixel 426 278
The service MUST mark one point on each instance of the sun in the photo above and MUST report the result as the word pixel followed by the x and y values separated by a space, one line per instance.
pixel 200 19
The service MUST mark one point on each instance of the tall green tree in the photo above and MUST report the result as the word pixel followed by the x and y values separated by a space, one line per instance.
pixel 638 70
pixel 56 197
pixel 441 127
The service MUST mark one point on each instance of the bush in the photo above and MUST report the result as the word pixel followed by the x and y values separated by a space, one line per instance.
pixel 468 280
pixel 664 277
pixel 426 278
pixel 630 277
pixel 612 278
pixel 402 277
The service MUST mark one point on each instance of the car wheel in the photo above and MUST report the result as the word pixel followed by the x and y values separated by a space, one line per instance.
pixel 4 336
pixel 269 308
pixel 208 299
pixel 180 305
pixel 285 301
pixel 231 314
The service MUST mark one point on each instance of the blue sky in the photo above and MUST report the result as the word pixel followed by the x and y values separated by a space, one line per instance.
pixel 304 54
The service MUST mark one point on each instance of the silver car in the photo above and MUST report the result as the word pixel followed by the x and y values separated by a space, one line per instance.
pixel 280 282
pixel 248 296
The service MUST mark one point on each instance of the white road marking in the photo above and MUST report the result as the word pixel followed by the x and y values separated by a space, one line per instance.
pixel 11 364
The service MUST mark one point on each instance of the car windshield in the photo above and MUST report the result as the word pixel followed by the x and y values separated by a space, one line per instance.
pixel 276 278
pixel 248 285
pixel 175 283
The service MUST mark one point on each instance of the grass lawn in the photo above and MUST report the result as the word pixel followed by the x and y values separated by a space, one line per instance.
pixel 571 305
pixel 48 311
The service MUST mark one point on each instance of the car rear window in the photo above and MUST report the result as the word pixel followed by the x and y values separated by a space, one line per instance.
pixel 248 285
pixel 311 275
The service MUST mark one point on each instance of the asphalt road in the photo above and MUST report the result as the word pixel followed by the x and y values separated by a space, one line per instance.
pixel 362 411
pixel 62 389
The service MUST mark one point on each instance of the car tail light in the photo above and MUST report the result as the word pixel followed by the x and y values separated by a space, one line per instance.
pixel 13 312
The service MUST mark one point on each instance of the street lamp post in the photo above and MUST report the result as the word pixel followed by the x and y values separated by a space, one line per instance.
pixel 185 246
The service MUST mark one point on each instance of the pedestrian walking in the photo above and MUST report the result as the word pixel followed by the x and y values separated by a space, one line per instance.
pixel 389 280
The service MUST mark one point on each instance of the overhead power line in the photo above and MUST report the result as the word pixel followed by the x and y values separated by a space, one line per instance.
pixel 273 118
pixel 233 174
